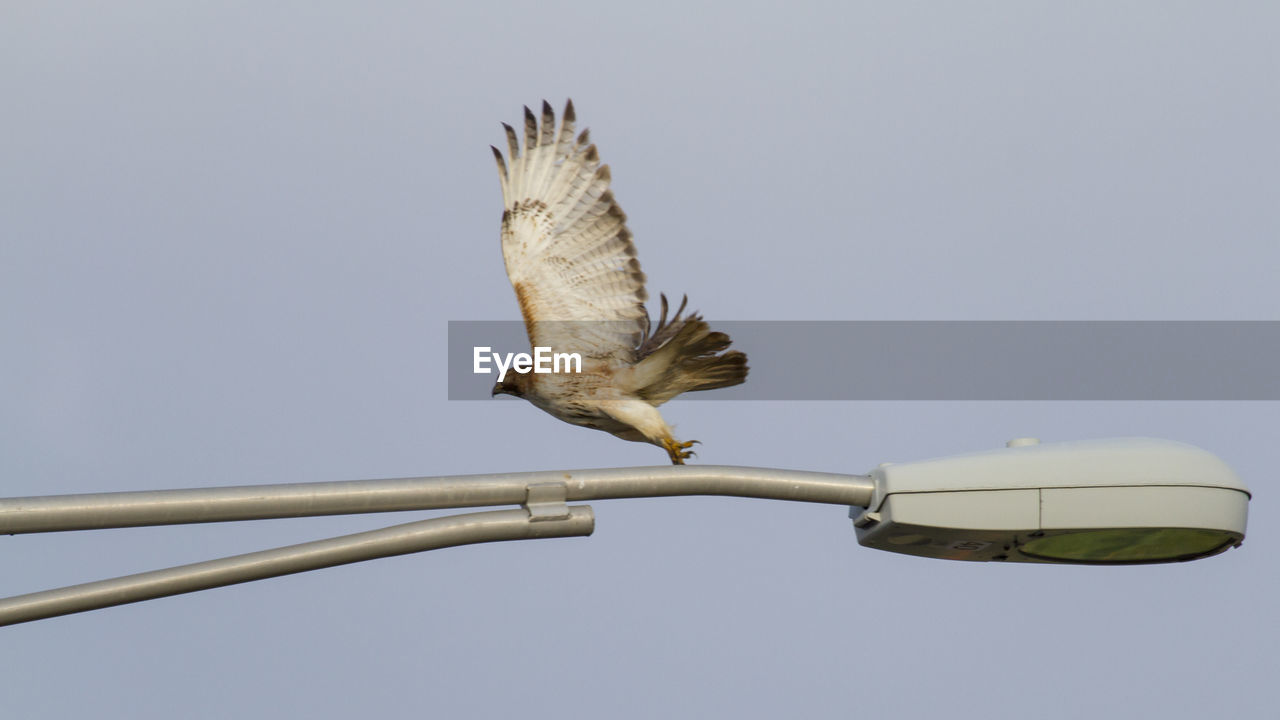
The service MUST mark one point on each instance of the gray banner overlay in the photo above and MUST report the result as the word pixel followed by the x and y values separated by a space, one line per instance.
pixel 959 360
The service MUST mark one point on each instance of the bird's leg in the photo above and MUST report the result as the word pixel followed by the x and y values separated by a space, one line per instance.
pixel 678 451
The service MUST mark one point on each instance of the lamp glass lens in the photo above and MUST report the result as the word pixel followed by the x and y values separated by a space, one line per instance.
pixel 1130 545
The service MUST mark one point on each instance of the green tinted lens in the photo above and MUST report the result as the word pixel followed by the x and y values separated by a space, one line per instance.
pixel 1131 545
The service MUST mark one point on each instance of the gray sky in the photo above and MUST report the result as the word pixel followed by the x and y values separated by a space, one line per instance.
pixel 231 237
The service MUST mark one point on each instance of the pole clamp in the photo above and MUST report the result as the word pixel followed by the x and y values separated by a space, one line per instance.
pixel 546 501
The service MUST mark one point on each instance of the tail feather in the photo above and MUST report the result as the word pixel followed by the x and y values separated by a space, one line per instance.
pixel 691 359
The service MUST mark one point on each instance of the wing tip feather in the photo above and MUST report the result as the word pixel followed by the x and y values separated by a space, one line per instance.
pixel 530 128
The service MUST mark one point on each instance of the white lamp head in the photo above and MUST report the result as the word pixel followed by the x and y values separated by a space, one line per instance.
pixel 1115 501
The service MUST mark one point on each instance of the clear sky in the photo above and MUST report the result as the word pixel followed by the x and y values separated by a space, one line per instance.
pixel 232 235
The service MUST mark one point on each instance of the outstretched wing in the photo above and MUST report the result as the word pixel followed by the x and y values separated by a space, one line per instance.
pixel 566 245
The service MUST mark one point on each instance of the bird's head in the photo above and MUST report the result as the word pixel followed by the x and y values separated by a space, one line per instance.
pixel 511 385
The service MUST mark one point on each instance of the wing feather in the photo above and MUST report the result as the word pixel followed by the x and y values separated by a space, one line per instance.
pixel 513 145
pixel 568 252
pixel 502 168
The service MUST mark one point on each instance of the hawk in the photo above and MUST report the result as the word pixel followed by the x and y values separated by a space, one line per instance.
pixel 573 266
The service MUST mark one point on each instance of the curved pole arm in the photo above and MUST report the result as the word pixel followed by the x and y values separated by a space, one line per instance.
pixel 543 495
pixel 259 502
pixel 491 526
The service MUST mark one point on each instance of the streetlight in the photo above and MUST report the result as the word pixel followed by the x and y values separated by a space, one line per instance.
pixel 1119 501
pixel 1105 502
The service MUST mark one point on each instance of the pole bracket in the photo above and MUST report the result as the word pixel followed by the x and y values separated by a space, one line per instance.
pixel 546 501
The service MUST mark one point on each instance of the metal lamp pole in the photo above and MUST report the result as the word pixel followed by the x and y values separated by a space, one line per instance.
pixel 544 512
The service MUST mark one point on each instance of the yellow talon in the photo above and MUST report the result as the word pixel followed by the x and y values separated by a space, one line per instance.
pixel 678 451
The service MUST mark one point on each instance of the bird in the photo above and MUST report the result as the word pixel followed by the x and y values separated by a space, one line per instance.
pixel 572 263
